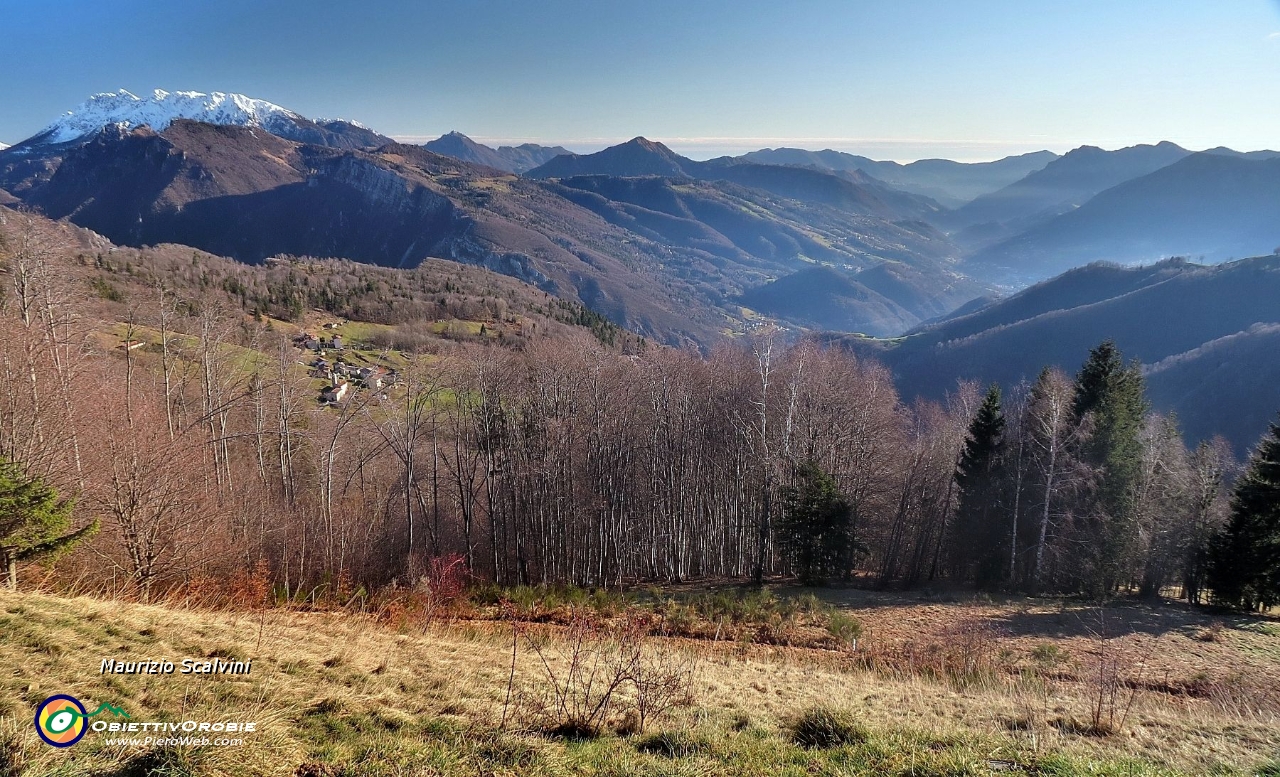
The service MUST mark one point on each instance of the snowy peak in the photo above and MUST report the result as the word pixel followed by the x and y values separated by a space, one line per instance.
pixel 161 109
pixel 128 111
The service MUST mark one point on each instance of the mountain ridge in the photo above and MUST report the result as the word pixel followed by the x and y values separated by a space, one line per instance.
pixel 1153 313
pixel 641 157
pixel 670 275
pixel 949 183
pixel 1209 205
pixel 162 108
pixel 513 159
pixel 1062 185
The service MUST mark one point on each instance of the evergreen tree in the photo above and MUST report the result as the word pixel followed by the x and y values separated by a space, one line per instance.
pixel 1109 398
pixel 981 534
pixel 1244 560
pixel 816 525
pixel 33 521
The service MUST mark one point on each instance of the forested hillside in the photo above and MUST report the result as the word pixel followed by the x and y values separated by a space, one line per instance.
pixel 156 391
pixel 1154 313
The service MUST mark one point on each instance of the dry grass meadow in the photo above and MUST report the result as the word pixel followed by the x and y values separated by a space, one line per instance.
pixel 934 687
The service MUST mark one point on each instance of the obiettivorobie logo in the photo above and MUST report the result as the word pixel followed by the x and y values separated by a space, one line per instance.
pixel 62 721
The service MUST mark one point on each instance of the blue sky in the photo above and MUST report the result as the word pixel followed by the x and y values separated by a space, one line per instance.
pixel 890 78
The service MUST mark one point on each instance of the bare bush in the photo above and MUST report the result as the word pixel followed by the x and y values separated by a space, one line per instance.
pixel 589 666
pixel 661 677
pixel 965 653
pixel 1111 693
pixel 583 671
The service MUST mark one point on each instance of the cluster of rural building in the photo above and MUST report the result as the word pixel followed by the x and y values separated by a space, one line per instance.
pixel 340 376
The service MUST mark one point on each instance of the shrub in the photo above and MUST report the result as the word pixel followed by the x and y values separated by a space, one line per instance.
pixel 845 628
pixel 1048 654
pixel 1215 632
pixel 583 673
pixel 822 727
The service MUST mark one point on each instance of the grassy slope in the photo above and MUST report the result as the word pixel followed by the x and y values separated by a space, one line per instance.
pixel 363 699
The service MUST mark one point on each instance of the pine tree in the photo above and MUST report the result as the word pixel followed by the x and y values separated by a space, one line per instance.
pixel 33 521
pixel 816 525
pixel 1109 398
pixel 981 541
pixel 1244 560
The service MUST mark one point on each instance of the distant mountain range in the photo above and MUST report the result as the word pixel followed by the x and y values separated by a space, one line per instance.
pixel 951 184
pixel 668 256
pixel 1207 333
pixel 686 251
pixel 1209 206
pixel 689 252
pixel 640 157
pixel 513 159
pixel 1062 185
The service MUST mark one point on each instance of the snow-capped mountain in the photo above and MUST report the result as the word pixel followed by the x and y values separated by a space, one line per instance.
pixel 160 110
pixel 128 111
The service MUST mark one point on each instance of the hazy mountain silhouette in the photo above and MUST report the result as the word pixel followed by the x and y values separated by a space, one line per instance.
pixel 1064 184
pixel 1228 386
pixel 637 157
pixel 1153 313
pixel 849 190
pixel 513 159
pixel 881 301
pixel 824 298
pixel 1213 206
pixel 951 184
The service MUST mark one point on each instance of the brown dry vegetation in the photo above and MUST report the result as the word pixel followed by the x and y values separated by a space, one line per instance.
pixel 345 695
pixel 226 491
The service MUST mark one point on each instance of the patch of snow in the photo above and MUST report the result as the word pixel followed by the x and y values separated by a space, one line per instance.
pixel 352 122
pixel 161 109
pixel 3 146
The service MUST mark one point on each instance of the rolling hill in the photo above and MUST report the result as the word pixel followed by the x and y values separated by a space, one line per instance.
pixel 951 184
pixel 1173 315
pixel 1062 185
pixel 667 259
pixel 1209 206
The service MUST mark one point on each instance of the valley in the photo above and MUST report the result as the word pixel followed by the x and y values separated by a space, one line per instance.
pixel 518 459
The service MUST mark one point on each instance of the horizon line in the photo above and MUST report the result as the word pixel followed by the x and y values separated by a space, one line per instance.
pixel 997 149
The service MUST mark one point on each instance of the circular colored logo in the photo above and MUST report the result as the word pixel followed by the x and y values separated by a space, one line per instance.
pixel 61 720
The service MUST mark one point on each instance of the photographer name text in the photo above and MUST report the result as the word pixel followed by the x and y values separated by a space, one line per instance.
pixel 185 666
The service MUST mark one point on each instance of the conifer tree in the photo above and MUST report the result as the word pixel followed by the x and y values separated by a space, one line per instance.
pixel 816 525
pixel 33 521
pixel 1109 398
pixel 1244 560
pixel 980 541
